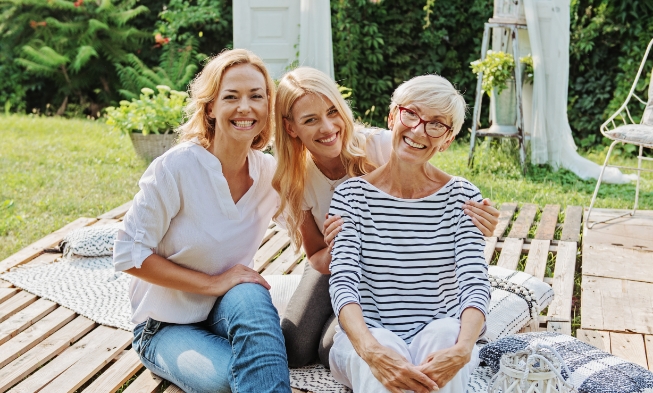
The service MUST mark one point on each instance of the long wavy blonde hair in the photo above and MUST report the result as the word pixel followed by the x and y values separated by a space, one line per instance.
pixel 290 177
pixel 205 88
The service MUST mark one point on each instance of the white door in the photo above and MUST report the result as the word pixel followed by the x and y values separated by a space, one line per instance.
pixel 269 28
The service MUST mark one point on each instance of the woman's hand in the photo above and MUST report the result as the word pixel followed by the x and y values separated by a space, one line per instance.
pixel 395 372
pixel 239 274
pixel 331 227
pixel 483 214
pixel 443 365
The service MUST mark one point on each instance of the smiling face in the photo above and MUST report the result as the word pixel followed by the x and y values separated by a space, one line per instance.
pixel 241 108
pixel 412 145
pixel 318 124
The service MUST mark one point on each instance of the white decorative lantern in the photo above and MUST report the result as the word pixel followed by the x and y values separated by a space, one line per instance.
pixel 509 11
pixel 533 370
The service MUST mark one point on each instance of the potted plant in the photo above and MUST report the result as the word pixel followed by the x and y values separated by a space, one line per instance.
pixel 498 82
pixel 150 120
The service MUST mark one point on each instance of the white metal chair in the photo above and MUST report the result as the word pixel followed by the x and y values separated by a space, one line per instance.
pixel 630 132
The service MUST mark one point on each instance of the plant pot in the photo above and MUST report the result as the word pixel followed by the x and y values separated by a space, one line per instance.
pixel 504 110
pixel 151 146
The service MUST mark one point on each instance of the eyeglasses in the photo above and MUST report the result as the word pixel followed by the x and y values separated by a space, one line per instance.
pixel 434 128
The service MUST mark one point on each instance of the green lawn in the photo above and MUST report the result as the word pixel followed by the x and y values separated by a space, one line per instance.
pixel 54 170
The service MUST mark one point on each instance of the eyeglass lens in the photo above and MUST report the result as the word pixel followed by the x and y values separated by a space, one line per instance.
pixel 411 119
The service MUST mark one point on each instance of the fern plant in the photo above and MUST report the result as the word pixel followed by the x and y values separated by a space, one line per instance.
pixel 178 64
pixel 74 44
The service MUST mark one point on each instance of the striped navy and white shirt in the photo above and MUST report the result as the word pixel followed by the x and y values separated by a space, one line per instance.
pixel 407 262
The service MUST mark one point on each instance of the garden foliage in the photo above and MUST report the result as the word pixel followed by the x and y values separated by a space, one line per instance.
pixel 90 50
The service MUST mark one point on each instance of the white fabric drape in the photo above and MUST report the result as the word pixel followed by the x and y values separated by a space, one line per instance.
pixel 315 46
pixel 551 138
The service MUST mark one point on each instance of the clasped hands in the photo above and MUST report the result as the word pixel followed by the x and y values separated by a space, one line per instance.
pixel 397 374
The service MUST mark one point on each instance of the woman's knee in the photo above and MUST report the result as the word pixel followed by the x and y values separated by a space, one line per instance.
pixel 443 333
pixel 246 301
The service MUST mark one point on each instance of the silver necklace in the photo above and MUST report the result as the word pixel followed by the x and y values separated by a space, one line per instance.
pixel 332 183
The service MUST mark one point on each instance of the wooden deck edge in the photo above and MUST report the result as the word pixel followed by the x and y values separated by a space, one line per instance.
pixel 117 212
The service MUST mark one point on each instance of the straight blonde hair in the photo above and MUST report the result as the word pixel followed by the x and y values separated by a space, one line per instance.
pixel 204 90
pixel 292 156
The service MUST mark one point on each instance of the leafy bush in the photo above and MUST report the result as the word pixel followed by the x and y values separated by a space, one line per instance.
pixel 497 69
pixel 159 113
pixel 74 44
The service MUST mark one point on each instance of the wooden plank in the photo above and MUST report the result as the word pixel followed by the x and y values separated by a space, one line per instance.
pixel 6 293
pixel 299 268
pixel 33 335
pixel 70 356
pixel 622 235
pixel 92 362
pixel 43 259
pixel 597 338
pixel 25 318
pixel 524 221
pixel 173 389
pixel 490 245
pixel 641 217
pixel 561 327
pixel 617 305
pixel 16 303
pixel 284 262
pixel 537 257
pixel 548 221
pixel 42 353
pixel 505 216
pixel 268 234
pixel 604 260
pixel 35 249
pixel 510 254
pixel 145 383
pixel 648 343
pixel 94 358
pixel 629 346
pixel 5 284
pixel 104 222
pixel 571 226
pixel 270 249
pixel 119 372
pixel 117 212
pixel 563 281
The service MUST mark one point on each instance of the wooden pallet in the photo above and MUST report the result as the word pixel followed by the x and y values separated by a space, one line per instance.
pixel 518 235
pixel 46 347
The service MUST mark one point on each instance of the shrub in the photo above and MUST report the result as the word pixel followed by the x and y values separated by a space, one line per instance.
pixel 159 113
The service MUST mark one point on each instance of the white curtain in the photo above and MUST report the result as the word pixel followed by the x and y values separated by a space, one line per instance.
pixel 315 46
pixel 551 139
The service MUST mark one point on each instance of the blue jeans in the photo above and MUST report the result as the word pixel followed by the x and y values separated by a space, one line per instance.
pixel 239 348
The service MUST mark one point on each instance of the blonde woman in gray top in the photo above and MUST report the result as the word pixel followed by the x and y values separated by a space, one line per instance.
pixel 318 146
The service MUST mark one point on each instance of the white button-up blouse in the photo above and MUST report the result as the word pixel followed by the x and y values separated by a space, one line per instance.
pixel 184 212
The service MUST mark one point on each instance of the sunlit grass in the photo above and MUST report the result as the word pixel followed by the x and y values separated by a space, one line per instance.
pixel 54 170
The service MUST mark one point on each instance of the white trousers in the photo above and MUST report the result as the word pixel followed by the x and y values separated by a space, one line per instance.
pixel 351 370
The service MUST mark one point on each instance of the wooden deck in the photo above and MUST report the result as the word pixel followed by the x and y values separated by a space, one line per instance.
pixel 46 347
pixel 617 282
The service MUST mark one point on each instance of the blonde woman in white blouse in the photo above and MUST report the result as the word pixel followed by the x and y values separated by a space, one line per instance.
pixel 204 318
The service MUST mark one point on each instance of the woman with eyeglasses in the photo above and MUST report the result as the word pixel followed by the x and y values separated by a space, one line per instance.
pixel 409 280
pixel 318 147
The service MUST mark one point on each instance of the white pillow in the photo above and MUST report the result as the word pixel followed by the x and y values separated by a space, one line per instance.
pixel 516 299
pixel 282 289
pixel 94 241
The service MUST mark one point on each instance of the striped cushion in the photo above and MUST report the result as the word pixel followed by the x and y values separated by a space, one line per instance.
pixel 510 309
pixel 592 370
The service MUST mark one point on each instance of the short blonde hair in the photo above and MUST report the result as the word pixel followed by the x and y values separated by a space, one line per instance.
pixel 204 90
pixel 435 92
pixel 290 177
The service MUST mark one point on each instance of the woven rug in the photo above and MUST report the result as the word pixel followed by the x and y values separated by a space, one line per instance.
pixel 87 285
pixel 318 379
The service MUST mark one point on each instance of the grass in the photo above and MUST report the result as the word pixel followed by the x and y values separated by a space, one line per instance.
pixel 53 171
